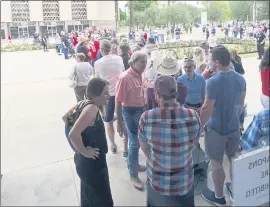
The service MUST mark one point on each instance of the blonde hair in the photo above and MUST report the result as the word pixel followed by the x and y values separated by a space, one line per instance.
pixel 135 56
pixel 81 56
pixel 235 56
pixel 199 57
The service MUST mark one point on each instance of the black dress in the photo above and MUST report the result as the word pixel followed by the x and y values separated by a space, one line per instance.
pixel 95 185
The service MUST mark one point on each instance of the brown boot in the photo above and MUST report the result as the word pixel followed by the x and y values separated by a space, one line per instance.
pixel 137 183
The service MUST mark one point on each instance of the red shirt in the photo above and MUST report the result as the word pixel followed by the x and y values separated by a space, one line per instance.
pixel 75 41
pixel 94 53
pixel 265 82
pixel 145 35
pixel 9 37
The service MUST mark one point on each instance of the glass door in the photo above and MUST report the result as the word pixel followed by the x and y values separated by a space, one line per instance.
pixel 52 30
pixel 23 32
pixel 78 28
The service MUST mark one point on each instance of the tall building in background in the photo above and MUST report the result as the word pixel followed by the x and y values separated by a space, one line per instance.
pixel 24 18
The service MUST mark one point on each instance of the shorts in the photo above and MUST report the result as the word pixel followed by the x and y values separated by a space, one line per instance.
pixel 216 145
pixel 109 110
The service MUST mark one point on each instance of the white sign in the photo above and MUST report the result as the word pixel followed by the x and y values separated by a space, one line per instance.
pixel 251 178
pixel 203 18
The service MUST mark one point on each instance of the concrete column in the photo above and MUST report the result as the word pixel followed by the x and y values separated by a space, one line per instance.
pixel 37 27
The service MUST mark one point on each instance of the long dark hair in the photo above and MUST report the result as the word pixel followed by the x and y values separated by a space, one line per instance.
pixel 265 61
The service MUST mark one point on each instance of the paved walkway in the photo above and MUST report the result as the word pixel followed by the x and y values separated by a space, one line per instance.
pixel 36 162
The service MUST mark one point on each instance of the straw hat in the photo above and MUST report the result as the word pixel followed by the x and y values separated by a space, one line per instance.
pixel 83 39
pixel 166 63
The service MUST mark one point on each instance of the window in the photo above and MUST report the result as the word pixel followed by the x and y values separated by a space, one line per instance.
pixel 3 34
pixel 79 10
pixel 50 11
pixel 20 11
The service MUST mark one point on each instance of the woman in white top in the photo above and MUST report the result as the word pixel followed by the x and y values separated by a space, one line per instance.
pixel 212 40
pixel 199 58
pixel 83 71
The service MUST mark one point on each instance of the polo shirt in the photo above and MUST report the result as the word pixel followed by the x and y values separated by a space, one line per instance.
pixel 194 88
pixel 130 89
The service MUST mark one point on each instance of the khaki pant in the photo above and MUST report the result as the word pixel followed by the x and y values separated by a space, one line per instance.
pixel 80 92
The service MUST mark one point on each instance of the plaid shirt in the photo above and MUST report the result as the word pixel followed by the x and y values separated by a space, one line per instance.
pixel 171 132
pixel 256 130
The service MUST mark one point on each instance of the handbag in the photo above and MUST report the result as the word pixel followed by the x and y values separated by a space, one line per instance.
pixel 73 82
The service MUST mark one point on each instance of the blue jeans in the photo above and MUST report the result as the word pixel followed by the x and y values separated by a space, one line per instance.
pixel 131 116
pixel 65 51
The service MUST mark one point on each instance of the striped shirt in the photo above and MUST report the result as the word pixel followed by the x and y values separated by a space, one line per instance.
pixel 171 132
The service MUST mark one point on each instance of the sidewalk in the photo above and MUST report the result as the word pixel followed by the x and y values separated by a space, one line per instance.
pixel 36 161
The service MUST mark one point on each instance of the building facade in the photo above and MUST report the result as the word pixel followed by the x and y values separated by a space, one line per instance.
pixel 21 19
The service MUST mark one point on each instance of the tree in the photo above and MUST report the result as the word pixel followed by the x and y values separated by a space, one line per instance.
pixel 241 10
pixel 217 10
pixel 262 10
pixel 123 15
pixel 152 14
pixel 176 14
pixel 140 5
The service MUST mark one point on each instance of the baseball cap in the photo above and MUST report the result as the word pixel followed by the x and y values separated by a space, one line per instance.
pixel 166 86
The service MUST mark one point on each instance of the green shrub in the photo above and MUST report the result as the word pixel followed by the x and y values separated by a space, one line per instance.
pixel 24 47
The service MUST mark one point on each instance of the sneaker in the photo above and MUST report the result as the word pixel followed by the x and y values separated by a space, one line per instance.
pixel 211 198
pixel 228 187
pixel 137 183
pixel 142 168
pixel 125 155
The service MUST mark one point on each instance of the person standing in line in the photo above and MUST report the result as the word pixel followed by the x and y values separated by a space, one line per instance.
pixel 88 137
pixel 82 48
pixel 260 36
pixel 224 100
pixel 65 44
pixel 195 84
pixel 123 52
pixel 265 75
pixel 207 33
pixel 130 100
pixel 109 68
pixel 83 71
pixel 168 134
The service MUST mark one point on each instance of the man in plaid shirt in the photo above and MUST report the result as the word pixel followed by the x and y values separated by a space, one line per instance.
pixel 258 130
pixel 167 135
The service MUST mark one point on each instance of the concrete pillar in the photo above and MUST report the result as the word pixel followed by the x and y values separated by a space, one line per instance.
pixel 6 28
pixel 37 27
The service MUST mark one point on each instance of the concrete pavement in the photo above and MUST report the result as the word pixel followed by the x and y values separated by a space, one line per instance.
pixel 36 161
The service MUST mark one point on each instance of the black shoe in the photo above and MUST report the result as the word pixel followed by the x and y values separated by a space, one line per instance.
pixel 211 198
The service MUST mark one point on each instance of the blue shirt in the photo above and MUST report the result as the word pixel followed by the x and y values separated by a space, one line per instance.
pixel 226 89
pixel 194 88
pixel 257 130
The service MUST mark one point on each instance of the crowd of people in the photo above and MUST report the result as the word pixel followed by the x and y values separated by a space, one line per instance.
pixel 161 105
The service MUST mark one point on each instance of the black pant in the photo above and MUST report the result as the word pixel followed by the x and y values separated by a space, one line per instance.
pixel 156 199
pixel 45 47
pixel 260 48
pixel 95 185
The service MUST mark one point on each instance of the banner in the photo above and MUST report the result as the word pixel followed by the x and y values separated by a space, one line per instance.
pixel 251 178
pixel 203 18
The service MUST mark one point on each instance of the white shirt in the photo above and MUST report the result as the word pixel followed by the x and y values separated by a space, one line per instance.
pixel 109 68
pixel 212 41
pixel 84 72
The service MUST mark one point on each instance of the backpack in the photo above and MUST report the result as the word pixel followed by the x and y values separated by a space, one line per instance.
pixel 72 118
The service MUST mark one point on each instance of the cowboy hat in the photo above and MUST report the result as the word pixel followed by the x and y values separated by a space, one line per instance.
pixel 167 63
pixel 83 39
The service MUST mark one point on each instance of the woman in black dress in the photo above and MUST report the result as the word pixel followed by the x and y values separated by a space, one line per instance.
pixel 88 137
